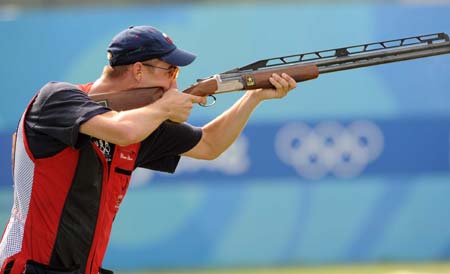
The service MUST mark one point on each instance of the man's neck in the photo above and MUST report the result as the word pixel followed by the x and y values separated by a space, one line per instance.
pixel 104 85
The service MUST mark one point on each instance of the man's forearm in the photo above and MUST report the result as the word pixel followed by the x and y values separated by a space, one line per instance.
pixel 127 127
pixel 220 133
pixel 226 128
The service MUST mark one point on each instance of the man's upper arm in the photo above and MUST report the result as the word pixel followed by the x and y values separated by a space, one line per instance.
pixel 58 112
pixel 101 126
pixel 162 149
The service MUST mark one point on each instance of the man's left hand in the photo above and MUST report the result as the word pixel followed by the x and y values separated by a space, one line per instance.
pixel 283 84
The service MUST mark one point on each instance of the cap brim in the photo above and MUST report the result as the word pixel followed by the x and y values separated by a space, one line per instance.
pixel 179 57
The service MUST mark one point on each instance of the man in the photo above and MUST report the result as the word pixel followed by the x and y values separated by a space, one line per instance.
pixel 74 157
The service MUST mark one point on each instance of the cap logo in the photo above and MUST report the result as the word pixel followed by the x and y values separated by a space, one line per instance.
pixel 168 39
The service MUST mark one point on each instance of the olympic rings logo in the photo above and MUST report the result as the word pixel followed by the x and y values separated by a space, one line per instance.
pixel 329 148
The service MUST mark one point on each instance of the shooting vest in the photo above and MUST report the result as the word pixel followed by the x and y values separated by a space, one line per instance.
pixel 64 205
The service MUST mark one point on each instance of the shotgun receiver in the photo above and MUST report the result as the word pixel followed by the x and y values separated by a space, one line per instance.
pixel 301 67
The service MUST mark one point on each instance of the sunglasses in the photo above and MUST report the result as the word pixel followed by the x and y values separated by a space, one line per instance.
pixel 172 70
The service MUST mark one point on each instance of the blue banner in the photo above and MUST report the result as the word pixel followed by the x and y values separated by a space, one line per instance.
pixel 317 150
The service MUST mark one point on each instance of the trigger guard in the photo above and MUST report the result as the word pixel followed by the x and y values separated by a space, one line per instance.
pixel 209 104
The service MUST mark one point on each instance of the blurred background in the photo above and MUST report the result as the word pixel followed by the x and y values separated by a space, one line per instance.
pixel 350 169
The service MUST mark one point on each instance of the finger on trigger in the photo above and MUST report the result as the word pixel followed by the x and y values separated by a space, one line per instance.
pixel 197 99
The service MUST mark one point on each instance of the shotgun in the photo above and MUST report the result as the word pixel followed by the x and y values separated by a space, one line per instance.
pixel 301 67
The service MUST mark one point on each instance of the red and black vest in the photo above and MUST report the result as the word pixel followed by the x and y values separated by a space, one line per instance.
pixel 64 205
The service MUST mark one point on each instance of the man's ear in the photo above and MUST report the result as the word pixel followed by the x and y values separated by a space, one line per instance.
pixel 136 69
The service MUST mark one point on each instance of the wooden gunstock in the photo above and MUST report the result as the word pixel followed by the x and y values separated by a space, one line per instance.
pixel 130 99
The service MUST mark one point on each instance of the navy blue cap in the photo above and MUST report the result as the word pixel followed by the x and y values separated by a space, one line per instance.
pixel 141 43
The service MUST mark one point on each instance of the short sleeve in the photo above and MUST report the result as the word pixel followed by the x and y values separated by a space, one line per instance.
pixel 54 119
pixel 161 150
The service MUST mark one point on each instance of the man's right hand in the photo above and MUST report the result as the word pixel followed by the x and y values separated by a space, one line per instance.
pixel 178 105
